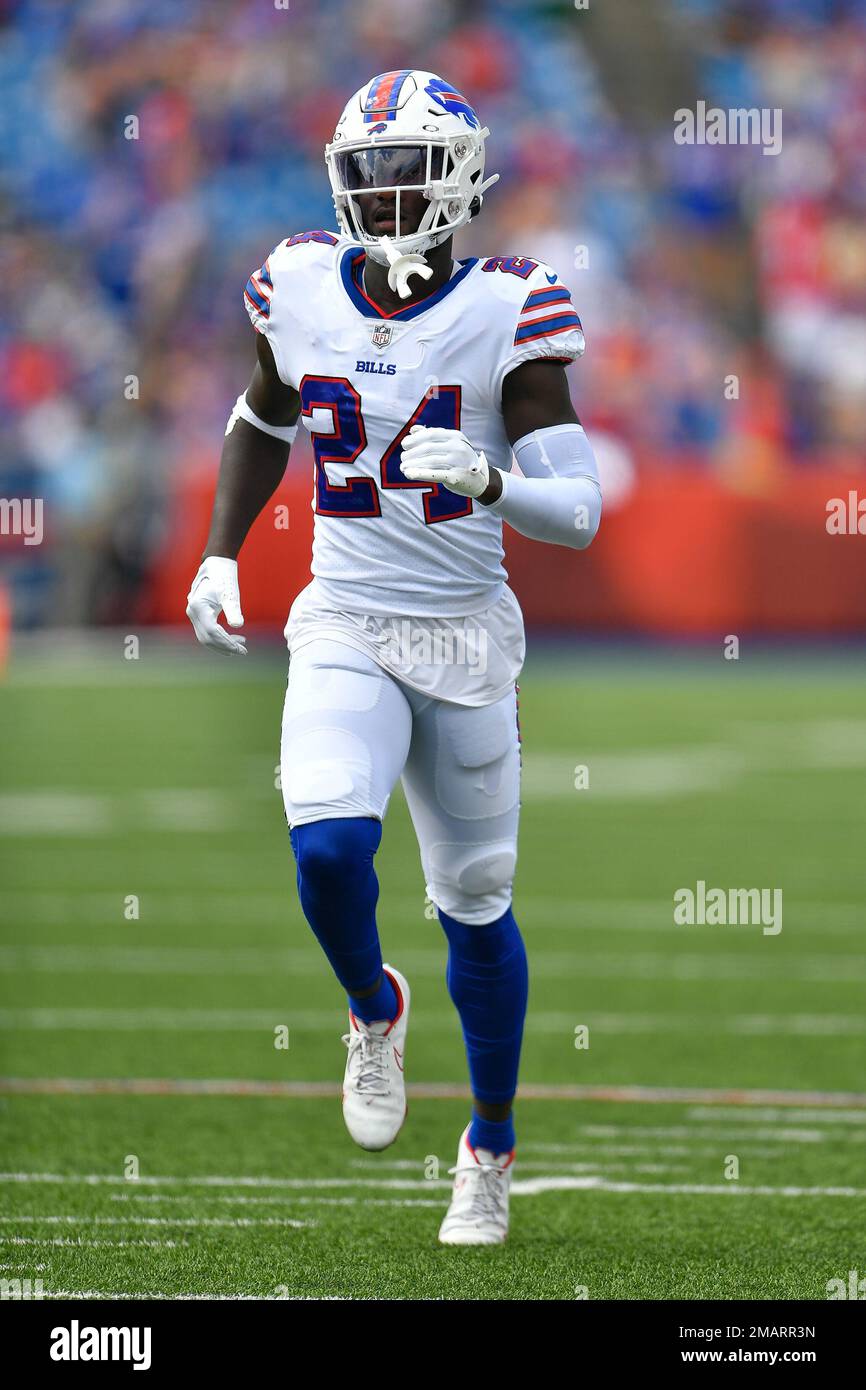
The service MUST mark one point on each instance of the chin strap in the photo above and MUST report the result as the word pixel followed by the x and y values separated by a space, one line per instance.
pixel 401 266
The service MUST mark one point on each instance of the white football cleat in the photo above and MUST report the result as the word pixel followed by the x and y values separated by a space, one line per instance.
pixel 374 1092
pixel 478 1214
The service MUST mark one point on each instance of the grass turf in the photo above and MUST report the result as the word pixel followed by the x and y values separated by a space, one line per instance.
pixel 156 779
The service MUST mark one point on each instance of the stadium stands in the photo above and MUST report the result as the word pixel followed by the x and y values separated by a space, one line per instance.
pixel 153 153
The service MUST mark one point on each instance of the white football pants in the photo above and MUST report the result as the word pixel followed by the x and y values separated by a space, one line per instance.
pixel 350 729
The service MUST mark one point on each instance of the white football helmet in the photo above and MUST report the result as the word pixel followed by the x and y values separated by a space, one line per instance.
pixel 408 130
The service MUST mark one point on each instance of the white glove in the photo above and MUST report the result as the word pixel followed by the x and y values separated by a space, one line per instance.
pixel 215 590
pixel 433 455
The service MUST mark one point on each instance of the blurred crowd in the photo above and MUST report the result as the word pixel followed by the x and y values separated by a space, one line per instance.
pixel 153 151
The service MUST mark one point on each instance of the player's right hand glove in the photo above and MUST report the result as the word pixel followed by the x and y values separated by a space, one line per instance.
pixel 436 455
pixel 215 590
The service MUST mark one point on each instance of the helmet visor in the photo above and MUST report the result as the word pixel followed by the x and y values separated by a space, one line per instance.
pixel 389 166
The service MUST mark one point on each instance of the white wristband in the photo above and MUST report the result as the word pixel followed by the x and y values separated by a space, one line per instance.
pixel 242 411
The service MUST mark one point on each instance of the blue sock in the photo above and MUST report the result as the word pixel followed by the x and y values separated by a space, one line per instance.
pixel 495 1135
pixel 374 1007
pixel 338 889
pixel 488 982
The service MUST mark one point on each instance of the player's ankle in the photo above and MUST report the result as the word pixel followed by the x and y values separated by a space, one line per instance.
pixel 381 1004
pixel 497 1136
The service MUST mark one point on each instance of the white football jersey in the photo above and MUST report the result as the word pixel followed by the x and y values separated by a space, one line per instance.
pixel 381 544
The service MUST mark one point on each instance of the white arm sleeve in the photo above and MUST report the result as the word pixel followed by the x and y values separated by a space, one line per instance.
pixel 559 497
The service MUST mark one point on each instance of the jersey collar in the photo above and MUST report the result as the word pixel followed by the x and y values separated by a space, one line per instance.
pixel 351 274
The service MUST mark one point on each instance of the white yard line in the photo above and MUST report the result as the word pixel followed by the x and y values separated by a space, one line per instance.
pixel 87 1220
pixel 732 1097
pixel 531 1187
pixel 264 961
pixel 216 1180
pixel 521 1187
pixel 527 1164
pixel 524 1187
pixel 691 1150
pixel 163 960
pixel 632 774
pixel 236 1199
pixel 635 774
pixel 772 1135
pixel 172 1020
pixel 79 1243
pixel 40 908
pixel 195 1297
pixel 59 811
pixel 765 1114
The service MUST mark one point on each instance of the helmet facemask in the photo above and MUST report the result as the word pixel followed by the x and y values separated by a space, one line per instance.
pixel 443 171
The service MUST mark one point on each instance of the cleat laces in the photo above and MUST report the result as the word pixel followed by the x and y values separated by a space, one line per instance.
pixel 368 1060
pixel 485 1198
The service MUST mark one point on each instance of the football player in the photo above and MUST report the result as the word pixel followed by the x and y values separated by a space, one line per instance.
pixel 418 378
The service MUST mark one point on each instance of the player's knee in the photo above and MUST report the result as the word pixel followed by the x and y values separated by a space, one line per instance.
pixel 474 885
pixel 337 850
pixel 488 874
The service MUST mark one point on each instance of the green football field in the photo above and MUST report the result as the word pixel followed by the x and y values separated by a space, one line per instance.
pixel 693 1122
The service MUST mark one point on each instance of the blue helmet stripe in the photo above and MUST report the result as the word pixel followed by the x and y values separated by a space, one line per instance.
pixel 382 98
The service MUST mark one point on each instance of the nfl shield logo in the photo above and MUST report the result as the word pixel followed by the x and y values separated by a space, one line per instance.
pixel 381 335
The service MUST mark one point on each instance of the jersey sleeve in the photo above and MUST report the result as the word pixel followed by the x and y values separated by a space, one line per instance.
pixel 274 291
pixel 545 324
pixel 264 308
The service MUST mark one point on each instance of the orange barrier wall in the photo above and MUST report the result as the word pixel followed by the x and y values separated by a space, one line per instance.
pixel 683 555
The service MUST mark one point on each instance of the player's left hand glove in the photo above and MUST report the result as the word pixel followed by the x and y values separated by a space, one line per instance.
pixel 433 455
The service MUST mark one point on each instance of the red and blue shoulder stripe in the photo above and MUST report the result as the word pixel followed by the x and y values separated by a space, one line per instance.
pixel 545 313
pixel 259 289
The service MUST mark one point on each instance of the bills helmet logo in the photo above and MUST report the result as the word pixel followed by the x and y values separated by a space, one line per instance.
pixel 456 105
pixel 377 129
